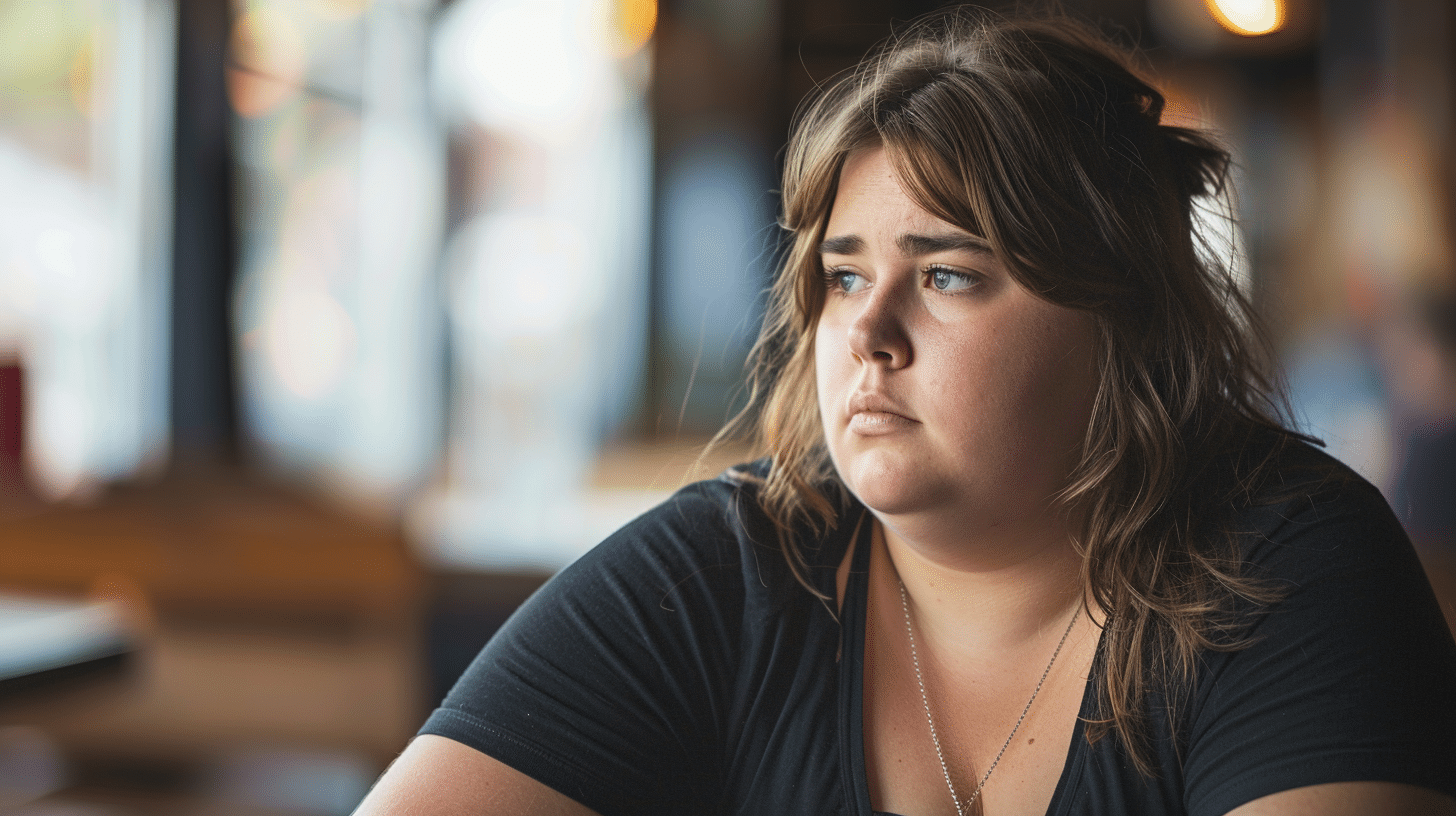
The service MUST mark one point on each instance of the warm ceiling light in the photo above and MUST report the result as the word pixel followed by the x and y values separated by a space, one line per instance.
pixel 635 21
pixel 1248 17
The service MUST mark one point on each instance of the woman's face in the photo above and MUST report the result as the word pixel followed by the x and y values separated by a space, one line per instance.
pixel 947 390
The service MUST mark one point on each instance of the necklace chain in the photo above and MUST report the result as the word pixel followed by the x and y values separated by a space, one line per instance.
pixel 935 738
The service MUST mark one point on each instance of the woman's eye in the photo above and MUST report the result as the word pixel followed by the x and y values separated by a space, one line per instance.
pixel 949 280
pixel 844 281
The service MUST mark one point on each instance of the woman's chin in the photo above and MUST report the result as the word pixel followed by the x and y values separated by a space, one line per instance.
pixel 891 486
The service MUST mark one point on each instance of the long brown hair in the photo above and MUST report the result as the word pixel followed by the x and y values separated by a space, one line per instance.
pixel 1040 136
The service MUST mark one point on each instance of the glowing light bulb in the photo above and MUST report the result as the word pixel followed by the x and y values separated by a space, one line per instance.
pixel 1248 17
pixel 634 24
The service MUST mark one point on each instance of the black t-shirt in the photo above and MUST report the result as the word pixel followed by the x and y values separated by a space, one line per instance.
pixel 679 668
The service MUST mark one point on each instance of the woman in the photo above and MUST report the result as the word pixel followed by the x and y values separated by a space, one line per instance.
pixel 1043 547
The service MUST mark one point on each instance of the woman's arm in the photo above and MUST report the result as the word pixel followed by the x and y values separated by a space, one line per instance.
pixel 436 776
pixel 1351 799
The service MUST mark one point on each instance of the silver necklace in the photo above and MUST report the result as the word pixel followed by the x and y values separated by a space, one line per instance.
pixel 935 738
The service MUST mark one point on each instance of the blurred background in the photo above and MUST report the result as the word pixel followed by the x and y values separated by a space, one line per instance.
pixel 330 328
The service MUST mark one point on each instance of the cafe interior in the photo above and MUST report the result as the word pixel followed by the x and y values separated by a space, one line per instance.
pixel 330 329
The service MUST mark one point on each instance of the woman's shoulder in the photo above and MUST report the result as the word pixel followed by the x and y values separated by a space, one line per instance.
pixel 1307 519
pixel 629 677
pixel 711 536
pixel 1300 495
pixel 1353 663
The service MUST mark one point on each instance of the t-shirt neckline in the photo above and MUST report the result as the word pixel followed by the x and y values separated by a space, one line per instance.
pixel 851 694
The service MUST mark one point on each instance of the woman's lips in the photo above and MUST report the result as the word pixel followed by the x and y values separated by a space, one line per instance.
pixel 878 423
pixel 875 414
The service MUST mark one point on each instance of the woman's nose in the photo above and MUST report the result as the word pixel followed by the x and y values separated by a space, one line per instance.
pixel 877 333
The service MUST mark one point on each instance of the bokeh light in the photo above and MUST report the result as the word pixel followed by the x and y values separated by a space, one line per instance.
pixel 268 61
pixel 1248 17
pixel 309 341
pixel 532 67
pixel 635 20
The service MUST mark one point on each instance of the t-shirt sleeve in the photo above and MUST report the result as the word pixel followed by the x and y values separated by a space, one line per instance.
pixel 603 684
pixel 1351 676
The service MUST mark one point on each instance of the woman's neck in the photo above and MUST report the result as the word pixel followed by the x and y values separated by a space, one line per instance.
pixel 984 598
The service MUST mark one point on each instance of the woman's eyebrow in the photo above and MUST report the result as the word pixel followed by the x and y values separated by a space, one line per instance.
pixel 909 243
pixel 946 242
pixel 842 245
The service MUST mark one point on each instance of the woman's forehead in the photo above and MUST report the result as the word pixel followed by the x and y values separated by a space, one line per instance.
pixel 871 200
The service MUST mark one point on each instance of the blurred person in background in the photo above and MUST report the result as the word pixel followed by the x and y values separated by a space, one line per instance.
pixel 1030 533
